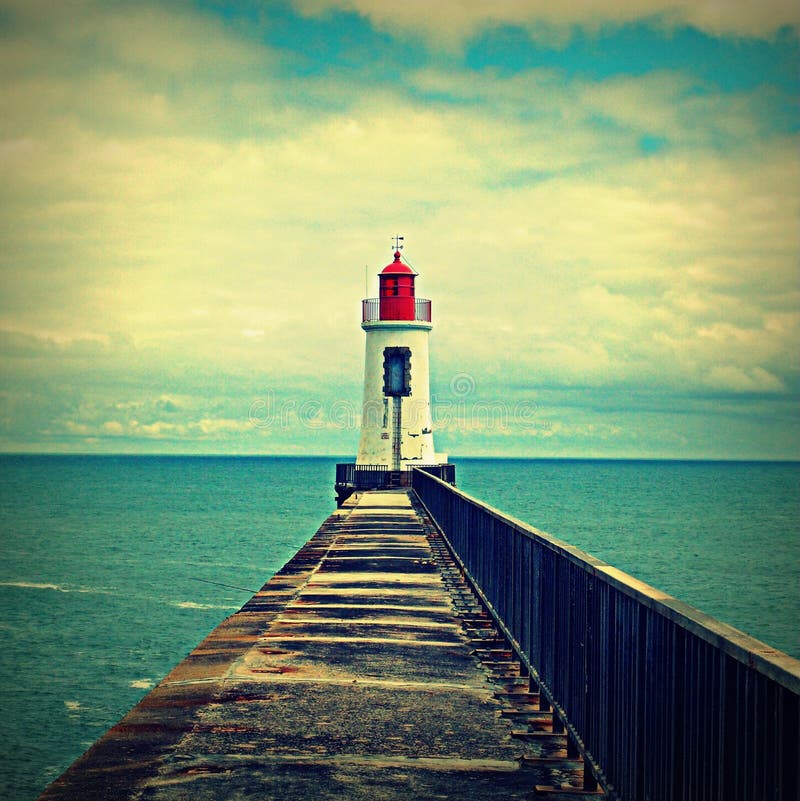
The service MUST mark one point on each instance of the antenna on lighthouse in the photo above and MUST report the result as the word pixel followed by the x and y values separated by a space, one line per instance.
pixel 397 240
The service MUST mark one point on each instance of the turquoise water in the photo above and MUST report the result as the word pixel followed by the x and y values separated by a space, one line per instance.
pixel 722 536
pixel 99 584
pixel 105 560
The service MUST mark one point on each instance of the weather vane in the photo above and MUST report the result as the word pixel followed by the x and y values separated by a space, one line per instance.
pixel 397 240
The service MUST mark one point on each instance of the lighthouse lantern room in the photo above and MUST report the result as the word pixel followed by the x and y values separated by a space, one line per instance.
pixel 396 290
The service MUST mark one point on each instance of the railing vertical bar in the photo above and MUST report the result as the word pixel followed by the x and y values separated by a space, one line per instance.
pixel 678 738
pixel 789 715
pixel 692 669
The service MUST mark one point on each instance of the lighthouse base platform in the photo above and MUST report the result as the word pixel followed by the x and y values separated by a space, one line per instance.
pixel 353 477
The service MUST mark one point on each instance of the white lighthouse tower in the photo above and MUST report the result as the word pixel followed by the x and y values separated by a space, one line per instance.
pixel 396 426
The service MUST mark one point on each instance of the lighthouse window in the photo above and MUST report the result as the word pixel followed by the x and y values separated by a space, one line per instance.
pixel 396 371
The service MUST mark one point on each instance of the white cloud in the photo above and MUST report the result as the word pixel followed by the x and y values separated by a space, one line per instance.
pixel 735 379
pixel 456 20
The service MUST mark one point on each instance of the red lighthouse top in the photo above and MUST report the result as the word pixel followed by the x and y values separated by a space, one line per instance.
pixel 397 300
pixel 396 291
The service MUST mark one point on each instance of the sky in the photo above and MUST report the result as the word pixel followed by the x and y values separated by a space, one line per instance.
pixel 601 199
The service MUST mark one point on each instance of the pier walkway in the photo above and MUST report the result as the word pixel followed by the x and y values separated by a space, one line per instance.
pixel 365 669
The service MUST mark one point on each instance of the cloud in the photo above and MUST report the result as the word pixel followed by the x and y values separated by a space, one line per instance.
pixel 136 36
pixel 113 427
pixel 735 379
pixel 457 20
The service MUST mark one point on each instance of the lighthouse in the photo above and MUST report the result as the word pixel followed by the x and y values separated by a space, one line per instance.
pixel 396 423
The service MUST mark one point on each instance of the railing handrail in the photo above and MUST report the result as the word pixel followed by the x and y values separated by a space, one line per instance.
pixel 359 466
pixel 390 297
pixel 353 476
pixel 750 651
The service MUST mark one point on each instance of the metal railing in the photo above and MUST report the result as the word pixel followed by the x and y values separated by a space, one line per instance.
pixel 371 310
pixel 362 476
pixel 377 476
pixel 667 703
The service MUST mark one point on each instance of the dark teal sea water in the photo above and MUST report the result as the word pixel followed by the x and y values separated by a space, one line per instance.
pixel 101 560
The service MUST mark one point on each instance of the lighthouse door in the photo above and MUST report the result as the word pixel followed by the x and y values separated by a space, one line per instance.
pixel 396 371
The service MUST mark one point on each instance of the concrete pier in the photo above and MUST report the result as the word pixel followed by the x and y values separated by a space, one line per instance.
pixel 365 669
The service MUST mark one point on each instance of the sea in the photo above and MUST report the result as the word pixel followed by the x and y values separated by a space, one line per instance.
pixel 112 568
